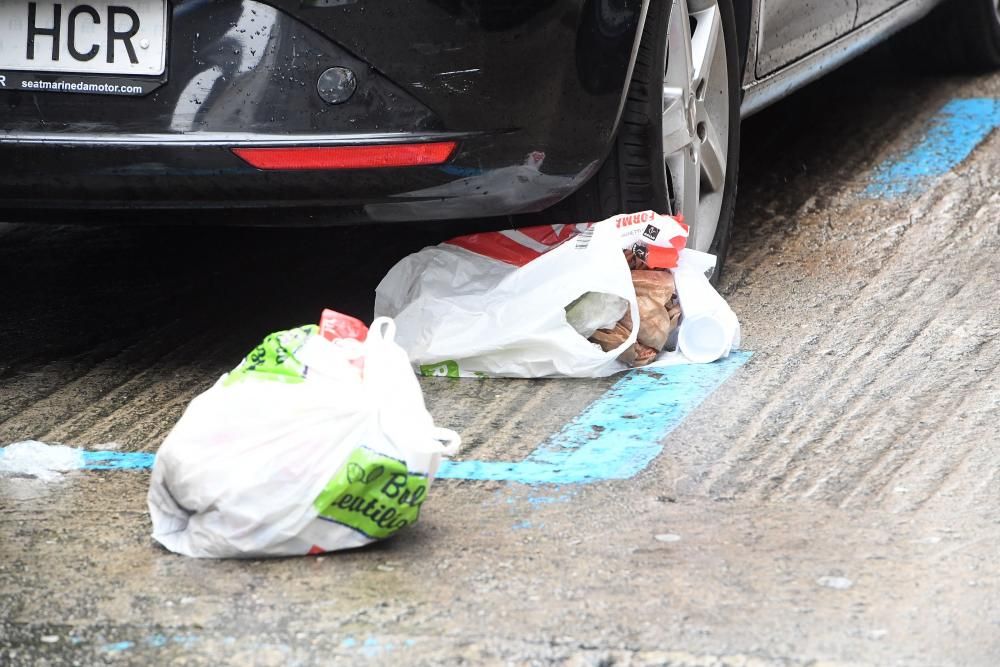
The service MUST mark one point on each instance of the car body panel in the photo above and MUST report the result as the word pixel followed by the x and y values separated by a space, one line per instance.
pixel 790 29
pixel 869 9
pixel 760 92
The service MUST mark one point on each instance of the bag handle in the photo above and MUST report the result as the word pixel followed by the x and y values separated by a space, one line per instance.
pixel 450 440
pixel 384 328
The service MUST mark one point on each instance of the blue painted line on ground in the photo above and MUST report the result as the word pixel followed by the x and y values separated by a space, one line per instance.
pixel 618 435
pixel 117 460
pixel 957 129
pixel 117 647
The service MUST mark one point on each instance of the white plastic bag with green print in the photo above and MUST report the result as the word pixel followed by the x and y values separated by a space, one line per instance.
pixel 316 442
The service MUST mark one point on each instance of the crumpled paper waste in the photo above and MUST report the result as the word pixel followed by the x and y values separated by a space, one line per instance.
pixel 659 316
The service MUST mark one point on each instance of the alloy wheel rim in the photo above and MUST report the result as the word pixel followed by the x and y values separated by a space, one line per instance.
pixel 696 116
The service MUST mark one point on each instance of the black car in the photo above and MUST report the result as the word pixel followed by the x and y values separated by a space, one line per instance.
pixel 330 111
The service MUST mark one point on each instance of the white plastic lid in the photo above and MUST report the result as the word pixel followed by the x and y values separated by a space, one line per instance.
pixel 704 338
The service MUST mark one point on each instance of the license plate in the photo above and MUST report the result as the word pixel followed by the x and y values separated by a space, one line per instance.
pixel 106 37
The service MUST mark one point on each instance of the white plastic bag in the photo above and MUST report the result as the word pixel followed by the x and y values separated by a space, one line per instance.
pixel 316 442
pixel 494 304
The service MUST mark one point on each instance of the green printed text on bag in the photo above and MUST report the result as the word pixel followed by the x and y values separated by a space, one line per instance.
pixel 440 369
pixel 373 494
pixel 274 358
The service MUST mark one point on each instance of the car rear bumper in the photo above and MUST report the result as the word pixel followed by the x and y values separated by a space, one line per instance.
pixel 529 91
pixel 93 172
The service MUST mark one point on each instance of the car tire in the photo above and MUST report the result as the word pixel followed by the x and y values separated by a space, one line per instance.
pixel 637 175
pixel 965 34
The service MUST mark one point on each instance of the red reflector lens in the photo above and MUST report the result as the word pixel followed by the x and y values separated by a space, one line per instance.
pixel 347 157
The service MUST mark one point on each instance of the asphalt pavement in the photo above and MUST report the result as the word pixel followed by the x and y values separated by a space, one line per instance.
pixel 829 498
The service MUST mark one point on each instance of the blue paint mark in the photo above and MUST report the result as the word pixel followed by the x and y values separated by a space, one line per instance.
pixel 372 648
pixel 117 647
pixel 535 501
pixel 618 435
pixel 159 640
pixel 959 127
pixel 117 460
pixel 522 525
pixel 185 640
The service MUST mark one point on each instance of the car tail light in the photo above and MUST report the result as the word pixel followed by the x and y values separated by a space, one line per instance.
pixel 347 157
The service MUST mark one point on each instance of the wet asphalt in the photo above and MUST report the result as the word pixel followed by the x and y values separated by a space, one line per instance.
pixel 833 503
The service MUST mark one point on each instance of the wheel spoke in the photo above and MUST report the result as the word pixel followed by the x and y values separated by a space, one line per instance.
pixel 676 132
pixel 691 188
pixel 713 157
pixel 680 68
pixel 704 42
pixel 684 169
